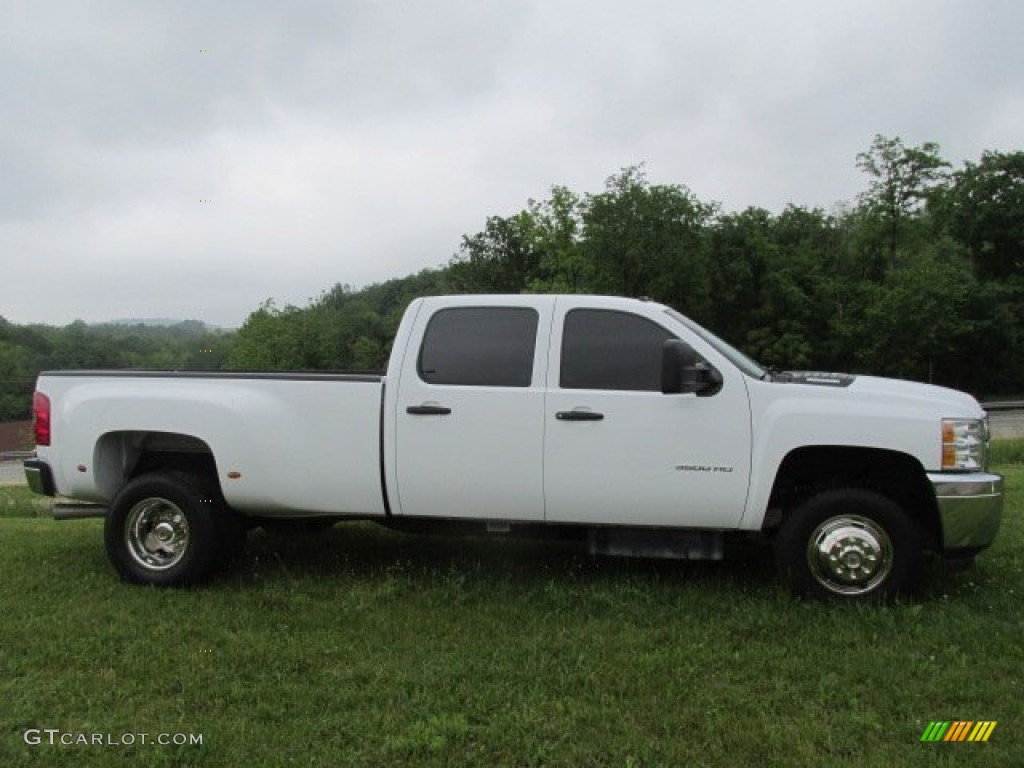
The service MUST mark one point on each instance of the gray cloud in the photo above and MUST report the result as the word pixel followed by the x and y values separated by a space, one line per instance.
pixel 357 141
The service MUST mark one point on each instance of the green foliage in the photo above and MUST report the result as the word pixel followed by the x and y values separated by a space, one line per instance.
pixel 500 259
pixel 341 330
pixel 896 285
pixel 272 339
pixel 1007 452
pixel 916 319
pixel 903 284
pixel 903 178
pixel 983 208
pixel 642 239
pixel 17 371
pixel 555 233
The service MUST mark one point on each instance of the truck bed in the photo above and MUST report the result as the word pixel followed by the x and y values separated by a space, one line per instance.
pixel 284 443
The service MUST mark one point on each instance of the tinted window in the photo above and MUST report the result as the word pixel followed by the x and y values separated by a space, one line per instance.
pixel 604 349
pixel 479 346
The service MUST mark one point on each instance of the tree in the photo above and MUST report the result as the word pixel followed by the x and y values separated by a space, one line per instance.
pixel 792 300
pixel 903 178
pixel 273 339
pixel 741 250
pixel 556 234
pixel 990 361
pixel 501 259
pixel 913 324
pixel 648 240
pixel 17 379
pixel 886 286
pixel 983 208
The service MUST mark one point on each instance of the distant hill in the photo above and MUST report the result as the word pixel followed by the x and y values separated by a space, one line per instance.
pixel 155 322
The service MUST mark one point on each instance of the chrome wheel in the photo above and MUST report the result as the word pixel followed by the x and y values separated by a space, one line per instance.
pixel 849 555
pixel 157 533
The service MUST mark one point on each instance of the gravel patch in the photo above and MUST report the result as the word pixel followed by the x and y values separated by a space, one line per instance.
pixel 11 473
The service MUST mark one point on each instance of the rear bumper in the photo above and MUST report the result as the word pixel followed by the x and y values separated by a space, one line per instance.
pixel 39 477
pixel 970 510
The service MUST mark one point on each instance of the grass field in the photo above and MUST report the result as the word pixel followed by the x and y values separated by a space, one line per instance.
pixel 366 647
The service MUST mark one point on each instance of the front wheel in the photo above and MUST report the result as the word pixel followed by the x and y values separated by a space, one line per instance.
pixel 849 544
pixel 162 530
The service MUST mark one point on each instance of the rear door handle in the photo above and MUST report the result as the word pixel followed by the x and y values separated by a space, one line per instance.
pixel 428 410
pixel 579 416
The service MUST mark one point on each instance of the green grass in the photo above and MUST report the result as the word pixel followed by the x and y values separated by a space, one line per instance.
pixel 365 647
pixel 1008 452
pixel 19 501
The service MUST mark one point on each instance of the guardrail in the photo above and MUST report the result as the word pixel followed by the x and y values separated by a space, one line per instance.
pixel 16 455
pixel 1004 405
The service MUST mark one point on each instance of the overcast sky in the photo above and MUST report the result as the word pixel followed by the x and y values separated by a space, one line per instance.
pixel 191 158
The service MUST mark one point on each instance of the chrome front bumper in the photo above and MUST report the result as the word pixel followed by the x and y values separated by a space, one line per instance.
pixel 970 508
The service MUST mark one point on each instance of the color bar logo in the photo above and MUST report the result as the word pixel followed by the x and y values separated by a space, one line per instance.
pixel 958 730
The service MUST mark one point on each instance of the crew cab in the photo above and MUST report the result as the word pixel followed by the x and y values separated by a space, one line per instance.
pixel 616 420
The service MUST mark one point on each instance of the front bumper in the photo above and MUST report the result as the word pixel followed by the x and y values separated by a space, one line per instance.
pixel 970 509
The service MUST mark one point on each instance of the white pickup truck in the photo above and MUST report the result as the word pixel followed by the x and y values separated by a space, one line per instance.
pixel 617 420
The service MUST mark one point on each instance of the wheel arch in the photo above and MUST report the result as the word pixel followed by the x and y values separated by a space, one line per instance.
pixel 810 470
pixel 121 456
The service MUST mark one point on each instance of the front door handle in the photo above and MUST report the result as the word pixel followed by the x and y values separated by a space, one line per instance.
pixel 428 410
pixel 579 416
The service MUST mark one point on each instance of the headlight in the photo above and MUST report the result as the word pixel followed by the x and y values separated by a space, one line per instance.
pixel 964 444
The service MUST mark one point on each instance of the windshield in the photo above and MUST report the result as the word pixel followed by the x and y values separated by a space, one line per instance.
pixel 728 351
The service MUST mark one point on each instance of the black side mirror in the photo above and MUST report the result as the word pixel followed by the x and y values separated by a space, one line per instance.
pixel 677 357
pixel 683 372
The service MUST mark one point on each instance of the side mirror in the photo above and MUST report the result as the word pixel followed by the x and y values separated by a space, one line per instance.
pixel 683 372
pixel 677 358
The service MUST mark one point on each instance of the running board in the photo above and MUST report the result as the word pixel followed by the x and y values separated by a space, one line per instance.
pixel 674 545
pixel 78 510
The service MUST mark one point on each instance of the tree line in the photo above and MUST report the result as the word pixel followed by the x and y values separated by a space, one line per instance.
pixel 921 277
pixel 25 350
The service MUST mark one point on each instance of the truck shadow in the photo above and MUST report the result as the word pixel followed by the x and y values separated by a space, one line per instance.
pixel 366 551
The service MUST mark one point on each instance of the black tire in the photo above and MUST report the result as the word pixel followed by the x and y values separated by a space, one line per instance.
pixel 163 530
pixel 849 544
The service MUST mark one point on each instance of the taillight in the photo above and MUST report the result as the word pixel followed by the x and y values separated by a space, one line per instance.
pixel 41 418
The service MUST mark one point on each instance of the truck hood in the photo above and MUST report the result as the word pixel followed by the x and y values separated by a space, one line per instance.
pixel 951 402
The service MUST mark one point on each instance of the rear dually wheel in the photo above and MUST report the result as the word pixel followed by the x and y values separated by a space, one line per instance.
pixel 163 530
